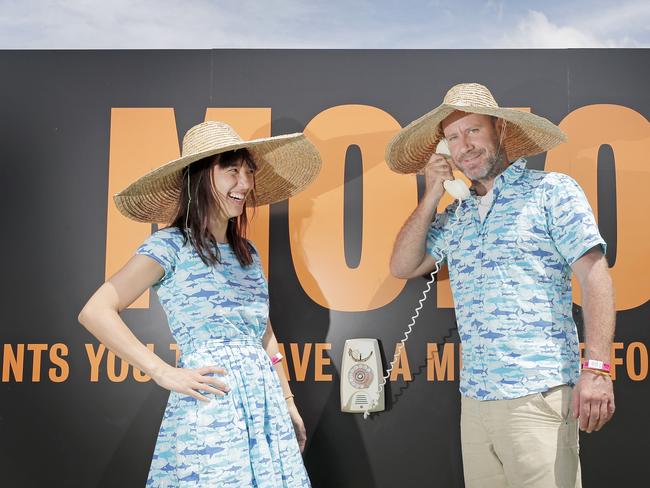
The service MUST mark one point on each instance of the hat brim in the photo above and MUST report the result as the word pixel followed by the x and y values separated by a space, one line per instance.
pixel 286 165
pixel 527 134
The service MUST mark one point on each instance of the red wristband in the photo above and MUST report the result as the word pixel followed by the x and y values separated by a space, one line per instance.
pixel 277 357
pixel 597 365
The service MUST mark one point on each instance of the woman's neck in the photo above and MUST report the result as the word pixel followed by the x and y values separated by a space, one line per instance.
pixel 218 227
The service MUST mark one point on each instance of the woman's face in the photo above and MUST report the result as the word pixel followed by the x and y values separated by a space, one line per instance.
pixel 233 185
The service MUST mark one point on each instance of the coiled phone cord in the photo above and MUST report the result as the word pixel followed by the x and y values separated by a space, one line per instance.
pixel 398 350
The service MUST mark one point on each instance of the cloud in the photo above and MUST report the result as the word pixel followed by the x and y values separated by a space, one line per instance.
pixel 164 24
pixel 496 6
pixel 434 24
pixel 626 18
pixel 535 30
pixel 151 24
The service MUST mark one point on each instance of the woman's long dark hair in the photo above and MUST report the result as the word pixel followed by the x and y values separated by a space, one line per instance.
pixel 204 204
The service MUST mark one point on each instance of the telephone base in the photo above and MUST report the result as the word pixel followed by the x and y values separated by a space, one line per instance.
pixel 361 373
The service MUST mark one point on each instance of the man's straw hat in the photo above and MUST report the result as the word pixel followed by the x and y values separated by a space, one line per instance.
pixel 526 134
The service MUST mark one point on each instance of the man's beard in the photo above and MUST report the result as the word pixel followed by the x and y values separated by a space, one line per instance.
pixel 494 165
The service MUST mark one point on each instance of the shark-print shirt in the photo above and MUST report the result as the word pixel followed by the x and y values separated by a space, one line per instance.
pixel 511 281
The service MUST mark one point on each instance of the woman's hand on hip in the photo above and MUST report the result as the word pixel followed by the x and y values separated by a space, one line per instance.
pixel 190 381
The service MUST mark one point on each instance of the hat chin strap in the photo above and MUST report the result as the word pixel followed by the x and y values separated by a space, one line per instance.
pixel 189 199
pixel 502 136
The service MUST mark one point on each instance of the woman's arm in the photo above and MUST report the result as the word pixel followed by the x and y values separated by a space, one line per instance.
pixel 101 317
pixel 271 347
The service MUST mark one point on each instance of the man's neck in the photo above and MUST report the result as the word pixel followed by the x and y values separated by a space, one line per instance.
pixel 483 186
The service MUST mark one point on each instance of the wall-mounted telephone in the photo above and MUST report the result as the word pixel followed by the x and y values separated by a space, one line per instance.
pixel 459 190
pixel 360 375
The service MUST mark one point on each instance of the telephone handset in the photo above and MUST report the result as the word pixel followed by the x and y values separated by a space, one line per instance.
pixel 459 190
pixel 456 188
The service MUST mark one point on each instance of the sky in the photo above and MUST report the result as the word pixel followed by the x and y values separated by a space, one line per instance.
pixel 364 24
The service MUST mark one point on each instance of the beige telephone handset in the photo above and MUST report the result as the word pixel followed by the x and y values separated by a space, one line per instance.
pixel 457 189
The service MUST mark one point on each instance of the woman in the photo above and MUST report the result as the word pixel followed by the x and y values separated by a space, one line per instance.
pixel 230 419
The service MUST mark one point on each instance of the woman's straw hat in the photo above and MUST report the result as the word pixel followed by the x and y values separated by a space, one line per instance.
pixel 526 134
pixel 286 165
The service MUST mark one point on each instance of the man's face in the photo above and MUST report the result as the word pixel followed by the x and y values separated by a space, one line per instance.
pixel 473 141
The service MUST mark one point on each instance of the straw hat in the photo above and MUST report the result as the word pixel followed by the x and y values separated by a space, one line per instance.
pixel 286 164
pixel 526 134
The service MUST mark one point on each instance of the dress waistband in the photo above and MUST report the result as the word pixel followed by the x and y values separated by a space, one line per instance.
pixel 221 342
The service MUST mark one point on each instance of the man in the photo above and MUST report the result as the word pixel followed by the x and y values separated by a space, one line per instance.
pixel 511 248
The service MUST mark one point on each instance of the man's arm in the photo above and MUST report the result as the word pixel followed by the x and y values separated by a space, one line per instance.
pixel 409 258
pixel 593 396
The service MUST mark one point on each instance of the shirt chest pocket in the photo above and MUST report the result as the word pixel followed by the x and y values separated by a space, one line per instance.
pixel 531 257
pixel 515 243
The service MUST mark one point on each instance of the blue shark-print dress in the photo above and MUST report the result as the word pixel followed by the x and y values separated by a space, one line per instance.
pixel 218 315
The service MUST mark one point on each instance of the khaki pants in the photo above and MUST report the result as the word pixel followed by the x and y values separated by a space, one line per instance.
pixel 526 442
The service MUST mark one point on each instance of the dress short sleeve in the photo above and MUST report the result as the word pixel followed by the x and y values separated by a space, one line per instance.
pixel 163 247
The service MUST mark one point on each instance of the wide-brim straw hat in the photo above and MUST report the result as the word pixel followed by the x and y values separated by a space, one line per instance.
pixel 526 134
pixel 286 164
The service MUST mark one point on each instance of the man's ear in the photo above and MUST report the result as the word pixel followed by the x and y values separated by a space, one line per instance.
pixel 500 125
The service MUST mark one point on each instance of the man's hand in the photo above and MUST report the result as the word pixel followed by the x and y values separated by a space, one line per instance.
pixel 593 401
pixel 436 171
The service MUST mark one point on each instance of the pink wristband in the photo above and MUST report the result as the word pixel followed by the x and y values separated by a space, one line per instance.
pixel 276 358
pixel 597 365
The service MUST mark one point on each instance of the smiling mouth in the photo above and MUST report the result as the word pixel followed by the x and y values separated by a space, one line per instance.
pixel 472 158
pixel 238 198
